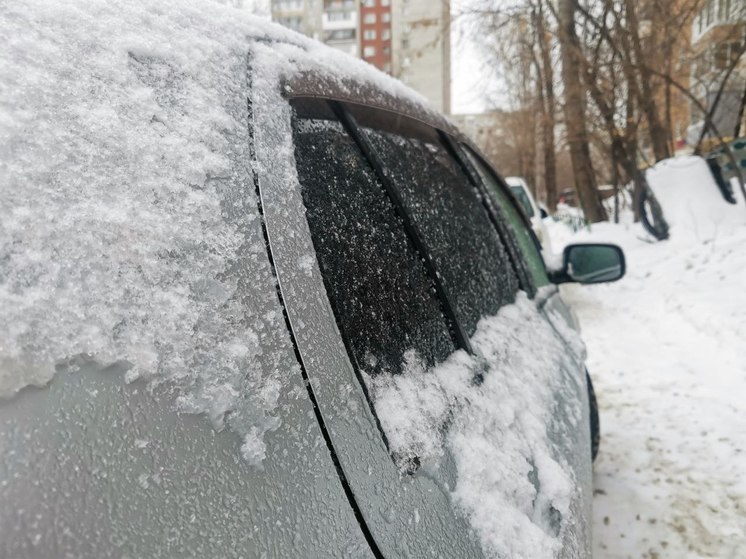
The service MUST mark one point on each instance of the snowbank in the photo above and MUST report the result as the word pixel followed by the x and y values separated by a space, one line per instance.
pixel 691 201
pixel 665 350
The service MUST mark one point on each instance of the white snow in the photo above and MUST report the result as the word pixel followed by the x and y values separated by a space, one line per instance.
pixel 125 196
pixel 123 128
pixel 492 413
pixel 666 352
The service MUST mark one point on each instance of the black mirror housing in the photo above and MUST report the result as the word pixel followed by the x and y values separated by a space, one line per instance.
pixel 591 263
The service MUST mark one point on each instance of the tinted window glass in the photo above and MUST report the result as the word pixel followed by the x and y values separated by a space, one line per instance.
pixel 468 253
pixel 522 233
pixel 522 198
pixel 382 298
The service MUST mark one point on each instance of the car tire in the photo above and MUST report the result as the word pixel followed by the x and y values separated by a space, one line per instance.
pixel 651 216
pixel 595 423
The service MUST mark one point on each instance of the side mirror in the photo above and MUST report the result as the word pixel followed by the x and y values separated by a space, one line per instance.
pixel 543 213
pixel 590 263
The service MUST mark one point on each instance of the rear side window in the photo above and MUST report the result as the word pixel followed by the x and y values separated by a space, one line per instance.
pixel 383 300
pixel 529 249
pixel 470 257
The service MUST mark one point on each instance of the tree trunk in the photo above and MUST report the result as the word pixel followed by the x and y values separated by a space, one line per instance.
pixel 548 122
pixel 577 134
pixel 616 179
pixel 656 130
pixel 739 120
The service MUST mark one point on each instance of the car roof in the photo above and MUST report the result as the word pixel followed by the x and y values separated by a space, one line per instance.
pixel 125 127
pixel 140 110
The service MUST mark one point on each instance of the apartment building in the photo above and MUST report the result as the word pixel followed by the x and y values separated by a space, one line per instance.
pixel 718 34
pixel 303 16
pixel 375 33
pixel 340 25
pixel 409 39
pixel 421 48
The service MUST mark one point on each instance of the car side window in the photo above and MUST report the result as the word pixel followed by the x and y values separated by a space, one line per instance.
pixel 522 198
pixel 383 300
pixel 531 253
pixel 469 255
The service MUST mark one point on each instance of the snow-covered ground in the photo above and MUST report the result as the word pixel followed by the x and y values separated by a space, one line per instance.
pixel 668 359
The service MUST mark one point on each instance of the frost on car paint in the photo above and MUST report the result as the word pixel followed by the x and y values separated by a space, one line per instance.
pixel 127 197
pixel 126 205
pixel 490 412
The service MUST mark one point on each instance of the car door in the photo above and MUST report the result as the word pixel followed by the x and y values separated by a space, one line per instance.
pixel 353 275
pixel 576 445
pixel 389 275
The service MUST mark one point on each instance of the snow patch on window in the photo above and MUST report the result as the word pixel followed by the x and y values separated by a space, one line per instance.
pixel 491 412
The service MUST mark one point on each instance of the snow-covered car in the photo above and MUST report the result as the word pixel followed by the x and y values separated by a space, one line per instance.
pixel 259 300
pixel 533 211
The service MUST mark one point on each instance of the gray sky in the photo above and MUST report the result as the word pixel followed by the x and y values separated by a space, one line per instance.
pixel 469 79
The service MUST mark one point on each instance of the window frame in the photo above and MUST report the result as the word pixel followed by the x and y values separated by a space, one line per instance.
pixel 354 117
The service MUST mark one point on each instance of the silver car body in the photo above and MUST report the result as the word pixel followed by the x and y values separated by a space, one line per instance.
pixel 92 465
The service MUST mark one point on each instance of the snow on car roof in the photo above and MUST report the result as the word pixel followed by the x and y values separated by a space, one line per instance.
pixel 116 123
pixel 126 198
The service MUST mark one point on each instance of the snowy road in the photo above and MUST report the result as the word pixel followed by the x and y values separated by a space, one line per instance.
pixel 667 355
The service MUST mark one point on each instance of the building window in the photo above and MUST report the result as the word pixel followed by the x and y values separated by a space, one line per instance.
pixel 386 17
pixel 288 5
pixel 369 51
pixel 293 23
pixel 369 34
pixel 369 18
pixel 340 35
pixel 369 3
pixel 386 34
pixel 339 16
pixel 385 3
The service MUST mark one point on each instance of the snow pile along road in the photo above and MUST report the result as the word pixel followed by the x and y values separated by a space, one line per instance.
pixel 667 357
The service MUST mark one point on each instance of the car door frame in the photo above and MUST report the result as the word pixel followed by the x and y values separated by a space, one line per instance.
pixel 413 514
pixel 331 375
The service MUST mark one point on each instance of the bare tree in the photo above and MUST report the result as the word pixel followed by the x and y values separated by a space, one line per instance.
pixel 575 121
pixel 547 102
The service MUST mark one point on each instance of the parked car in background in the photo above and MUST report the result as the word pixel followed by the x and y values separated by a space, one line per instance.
pixel 259 300
pixel 533 211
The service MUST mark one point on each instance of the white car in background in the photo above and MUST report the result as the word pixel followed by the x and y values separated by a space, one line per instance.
pixel 535 214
